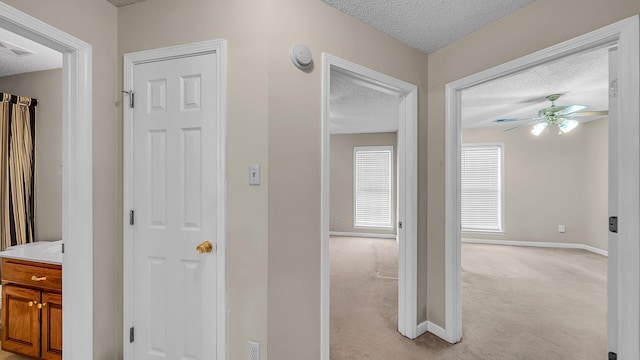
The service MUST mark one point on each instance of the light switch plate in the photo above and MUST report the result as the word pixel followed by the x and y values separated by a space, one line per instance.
pixel 254 174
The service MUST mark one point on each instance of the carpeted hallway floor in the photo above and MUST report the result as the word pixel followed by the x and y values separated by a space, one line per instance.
pixel 517 303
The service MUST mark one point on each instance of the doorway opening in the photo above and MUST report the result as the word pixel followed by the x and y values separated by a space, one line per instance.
pixel 401 128
pixel 77 193
pixel 534 209
pixel 624 177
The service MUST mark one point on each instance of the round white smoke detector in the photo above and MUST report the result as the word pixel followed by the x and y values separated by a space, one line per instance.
pixel 301 57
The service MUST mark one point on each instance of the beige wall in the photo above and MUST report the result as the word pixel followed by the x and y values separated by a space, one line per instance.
pixel 94 21
pixel 46 87
pixel 513 36
pixel 274 118
pixel 295 157
pixel 550 180
pixel 341 182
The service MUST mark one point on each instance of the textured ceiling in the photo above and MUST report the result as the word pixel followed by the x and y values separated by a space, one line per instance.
pixel 36 58
pixel 582 79
pixel 123 2
pixel 358 107
pixel 427 25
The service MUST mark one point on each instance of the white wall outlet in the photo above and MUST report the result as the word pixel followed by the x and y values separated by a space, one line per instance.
pixel 561 228
pixel 254 351
pixel 254 174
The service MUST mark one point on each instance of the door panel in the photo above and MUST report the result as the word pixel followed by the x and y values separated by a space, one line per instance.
pixel 175 201
pixel 22 319
pixel 51 326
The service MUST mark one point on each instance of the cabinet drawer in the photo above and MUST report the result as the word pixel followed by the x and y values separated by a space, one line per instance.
pixel 37 275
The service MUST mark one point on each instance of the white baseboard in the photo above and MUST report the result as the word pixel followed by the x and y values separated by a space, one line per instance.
pixel 422 328
pixel 537 244
pixel 428 326
pixel 364 235
pixel 595 250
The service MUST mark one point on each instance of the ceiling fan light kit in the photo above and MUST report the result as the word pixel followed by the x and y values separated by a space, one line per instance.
pixel 568 125
pixel 538 128
pixel 555 115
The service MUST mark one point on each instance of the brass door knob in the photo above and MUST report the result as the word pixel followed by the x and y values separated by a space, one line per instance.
pixel 205 247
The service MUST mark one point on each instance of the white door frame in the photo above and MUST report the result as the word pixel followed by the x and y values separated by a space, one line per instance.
pixel 218 47
pixel 624 34
pixel 77 177
pixel 407 199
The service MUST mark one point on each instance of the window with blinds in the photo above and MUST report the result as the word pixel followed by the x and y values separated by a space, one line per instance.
pixel 373 187
pixel 481 188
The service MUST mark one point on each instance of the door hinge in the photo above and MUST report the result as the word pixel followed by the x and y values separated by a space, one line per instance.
pixel 613 88
pixel 131 97
pixel 613 224
pixel 613 356
pixel 63 248
pixel 399 224
pixel 132 217
pixel 131 334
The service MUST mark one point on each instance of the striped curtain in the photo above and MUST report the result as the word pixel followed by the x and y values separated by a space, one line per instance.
pixel 17 170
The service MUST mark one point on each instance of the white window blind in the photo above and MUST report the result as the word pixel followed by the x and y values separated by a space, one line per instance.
pixel 481 183
pixel 373 184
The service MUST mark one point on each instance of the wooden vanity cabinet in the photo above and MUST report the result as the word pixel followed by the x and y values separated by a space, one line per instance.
pixel 32 308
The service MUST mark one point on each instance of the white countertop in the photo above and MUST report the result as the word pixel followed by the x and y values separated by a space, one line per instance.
pixel 49 252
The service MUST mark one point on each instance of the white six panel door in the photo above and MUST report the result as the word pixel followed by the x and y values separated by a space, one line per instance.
pixel 175 208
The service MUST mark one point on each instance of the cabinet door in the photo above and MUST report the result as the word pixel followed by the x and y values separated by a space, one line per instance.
pixel 51 326
pixel 20 320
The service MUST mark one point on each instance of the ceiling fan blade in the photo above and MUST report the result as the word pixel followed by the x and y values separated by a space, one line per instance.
pixel 506 120
pixel 588 113
pixel 570 109
pixel 521 125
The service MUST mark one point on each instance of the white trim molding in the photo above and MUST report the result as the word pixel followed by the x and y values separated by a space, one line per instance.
pixel 407 191
pixel 362 235
pixel 218 47
pixel 428 326
pixel 542 244
pixel 77 177
pixel 625 36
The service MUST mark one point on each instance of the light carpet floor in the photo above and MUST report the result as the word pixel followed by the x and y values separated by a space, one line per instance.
pixel 517 303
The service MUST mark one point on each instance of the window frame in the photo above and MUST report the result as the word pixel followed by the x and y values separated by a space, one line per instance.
pixel 502 229
pixel 357 149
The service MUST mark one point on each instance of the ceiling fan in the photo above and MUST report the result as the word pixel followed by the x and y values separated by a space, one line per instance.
pixel 558 115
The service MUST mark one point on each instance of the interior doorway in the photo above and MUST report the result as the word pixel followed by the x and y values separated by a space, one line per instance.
pixel 534 210
pixel 623 177
pixel 405 217
pixel 77 193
